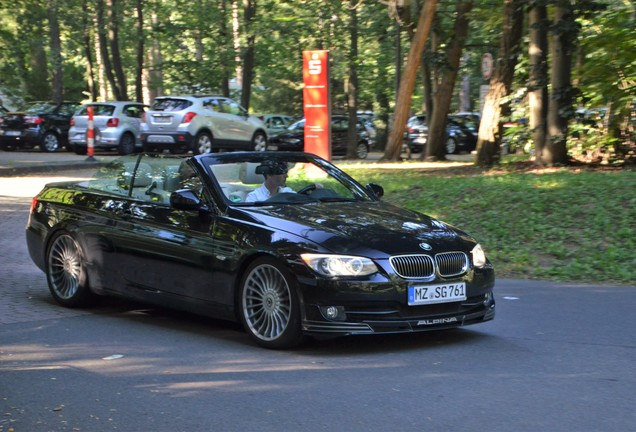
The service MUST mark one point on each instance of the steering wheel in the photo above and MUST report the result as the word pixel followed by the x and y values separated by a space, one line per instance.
pixel 307 189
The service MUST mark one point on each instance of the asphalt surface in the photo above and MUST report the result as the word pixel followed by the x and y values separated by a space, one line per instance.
pixel 557 357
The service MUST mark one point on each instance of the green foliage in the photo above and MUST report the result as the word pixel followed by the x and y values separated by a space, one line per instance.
pixel 559 225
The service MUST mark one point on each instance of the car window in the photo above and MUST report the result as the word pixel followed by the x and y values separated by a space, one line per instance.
pixel 134 111
pixel 150 178
pixel 98 110
pixel 170 104
pixel 67 109
pixel 212 104
pixel 231 107
pixel 39 108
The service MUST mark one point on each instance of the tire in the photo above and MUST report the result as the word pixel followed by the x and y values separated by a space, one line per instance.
pixel 268 305
pixel 126 144
pixel 66 272
pixel 362 151
pixel 451 145
pixel 259 142
pixel 202 143
pixel 50 142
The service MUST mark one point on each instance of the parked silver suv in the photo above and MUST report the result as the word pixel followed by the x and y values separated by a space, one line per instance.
pixel 202 124
pixel 116 126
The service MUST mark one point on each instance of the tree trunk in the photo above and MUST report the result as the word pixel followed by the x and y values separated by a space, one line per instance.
pixel 489 141
pixel 352 82
pixel 435 148
pixel 249 12
pixel 225 58
pixel 139 91
pixel 88 53
pixel 407 84
pixel 155 74
pixel 56 52
pixel 560 108
pixel 537 84
pixel 103 47
pixel 113 38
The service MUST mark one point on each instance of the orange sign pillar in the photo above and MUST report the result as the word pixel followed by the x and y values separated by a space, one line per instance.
pixel 90 134
pixel 317 103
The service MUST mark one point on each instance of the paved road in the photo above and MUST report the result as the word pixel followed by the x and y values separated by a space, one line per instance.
pixel 558 357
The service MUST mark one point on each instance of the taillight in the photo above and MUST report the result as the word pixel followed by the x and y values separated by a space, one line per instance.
pixel 112 122
pixel 33 120
pixel 34 202
pixel 72 121
pixel 188 117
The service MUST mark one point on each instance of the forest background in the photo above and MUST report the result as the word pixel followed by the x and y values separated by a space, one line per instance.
pixel 571 54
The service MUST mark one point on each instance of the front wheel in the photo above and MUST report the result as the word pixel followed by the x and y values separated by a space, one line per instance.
pixel 269 306
pixel 259 142
pixel 50 142
pixel 66 272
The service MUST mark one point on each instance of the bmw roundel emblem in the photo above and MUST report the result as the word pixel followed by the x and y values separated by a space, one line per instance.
pixel 426 246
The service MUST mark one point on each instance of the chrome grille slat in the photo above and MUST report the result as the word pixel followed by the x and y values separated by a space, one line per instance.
pixel 421 266
pixel 451 263
pixel 413 266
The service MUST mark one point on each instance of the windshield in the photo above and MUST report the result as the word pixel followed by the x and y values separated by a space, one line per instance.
pixel 284 181
pixel 39 108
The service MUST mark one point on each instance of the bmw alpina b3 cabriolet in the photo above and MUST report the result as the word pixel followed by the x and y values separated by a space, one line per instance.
pixel 285 243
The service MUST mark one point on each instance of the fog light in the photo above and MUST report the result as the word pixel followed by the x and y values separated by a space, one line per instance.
pixel 488 299
pixel 335 313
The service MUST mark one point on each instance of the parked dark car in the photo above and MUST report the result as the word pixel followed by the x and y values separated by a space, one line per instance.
pixel 462 130
pixel 327 260
pixel 43 124
pixel 293 139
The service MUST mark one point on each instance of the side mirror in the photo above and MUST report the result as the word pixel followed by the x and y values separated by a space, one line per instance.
pixel 186 199
pixel 376 190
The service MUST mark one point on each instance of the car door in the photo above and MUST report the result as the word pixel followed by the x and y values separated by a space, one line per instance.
pixel 165 252
pixel 239 130
pixel 339 126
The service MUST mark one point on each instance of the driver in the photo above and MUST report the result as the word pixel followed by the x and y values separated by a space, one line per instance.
pixel 275 173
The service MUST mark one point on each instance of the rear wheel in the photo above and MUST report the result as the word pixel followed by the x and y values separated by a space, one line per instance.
pixel 362 151
pixel 66 272
pixel 259 142
pixel 126 144
pixel 203 143
pixel 269 306
pixel 451 145
pixel 50 142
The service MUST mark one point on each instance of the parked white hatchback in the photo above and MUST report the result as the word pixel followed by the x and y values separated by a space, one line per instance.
pixel 116 126
pixel 201 124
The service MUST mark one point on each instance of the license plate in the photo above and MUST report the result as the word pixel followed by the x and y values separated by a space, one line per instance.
pixel 419 140
pixel 12 133
pixel 162 119
pixel 430 294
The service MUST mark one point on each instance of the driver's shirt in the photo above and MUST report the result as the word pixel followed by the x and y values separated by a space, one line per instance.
pixel 262 193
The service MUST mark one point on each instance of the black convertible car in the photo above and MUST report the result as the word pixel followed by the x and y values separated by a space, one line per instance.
pixel 324 257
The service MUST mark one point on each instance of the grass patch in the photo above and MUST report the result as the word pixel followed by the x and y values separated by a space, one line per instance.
pixel 559 224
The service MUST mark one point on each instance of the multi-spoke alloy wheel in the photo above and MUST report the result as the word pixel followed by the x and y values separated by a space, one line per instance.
pixel 269 306
pixel 65 272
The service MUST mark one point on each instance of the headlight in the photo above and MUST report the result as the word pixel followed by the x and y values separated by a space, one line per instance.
pixel 290 140
pixel 339 265
pixel 479 256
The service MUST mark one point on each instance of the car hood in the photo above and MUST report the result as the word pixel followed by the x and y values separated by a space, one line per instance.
pixel 359 227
